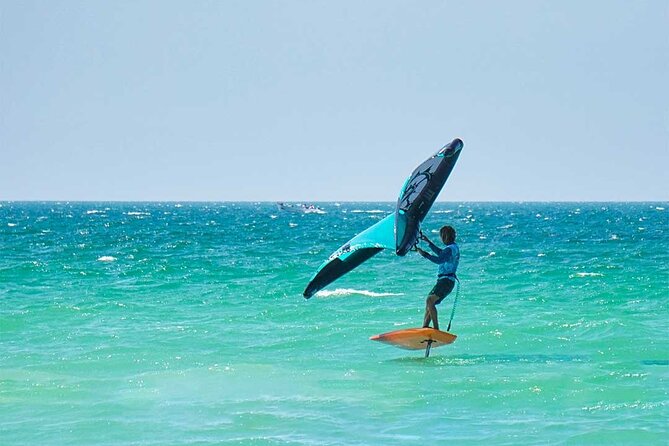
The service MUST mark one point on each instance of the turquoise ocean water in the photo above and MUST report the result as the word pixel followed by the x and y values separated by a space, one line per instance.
pixel 184 324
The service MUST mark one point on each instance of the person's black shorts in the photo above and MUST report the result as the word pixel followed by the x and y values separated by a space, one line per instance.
pixel 443 288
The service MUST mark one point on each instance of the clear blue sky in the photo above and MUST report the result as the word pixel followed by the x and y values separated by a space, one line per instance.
pixel 332 100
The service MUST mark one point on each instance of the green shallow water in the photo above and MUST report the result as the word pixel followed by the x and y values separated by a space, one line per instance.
pixel 180 324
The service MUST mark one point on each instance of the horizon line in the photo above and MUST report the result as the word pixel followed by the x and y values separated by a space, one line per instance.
pixel 329 201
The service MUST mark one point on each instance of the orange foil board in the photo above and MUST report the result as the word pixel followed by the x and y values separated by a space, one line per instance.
pixel 415 338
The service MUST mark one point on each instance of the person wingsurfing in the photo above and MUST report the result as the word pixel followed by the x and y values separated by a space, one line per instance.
pixel 447 258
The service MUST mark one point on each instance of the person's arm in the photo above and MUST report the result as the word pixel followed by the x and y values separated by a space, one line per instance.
pixel 435 249
pixel 427 255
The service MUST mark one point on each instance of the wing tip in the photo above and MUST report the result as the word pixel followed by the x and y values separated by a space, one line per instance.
pixel 309 291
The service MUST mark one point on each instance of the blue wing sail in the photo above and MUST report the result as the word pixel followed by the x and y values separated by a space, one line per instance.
pixel 398 231
pixel 419 192
pixel 357 250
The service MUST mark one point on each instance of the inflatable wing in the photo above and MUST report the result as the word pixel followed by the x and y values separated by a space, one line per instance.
pixel 360 248
pixel 419 192
pixel 398 231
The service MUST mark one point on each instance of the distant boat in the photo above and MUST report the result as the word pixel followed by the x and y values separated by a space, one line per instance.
pixel 300 208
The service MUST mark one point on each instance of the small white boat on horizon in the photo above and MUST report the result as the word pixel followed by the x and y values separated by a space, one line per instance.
pixel 300 208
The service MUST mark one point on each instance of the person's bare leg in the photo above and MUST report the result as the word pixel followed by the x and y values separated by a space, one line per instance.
pixel 427 318
pixel 431 312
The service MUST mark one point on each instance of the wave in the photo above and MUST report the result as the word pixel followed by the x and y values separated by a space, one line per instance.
pixel 351 291
pixel 106 259
pixel 586 275
pixel 373 211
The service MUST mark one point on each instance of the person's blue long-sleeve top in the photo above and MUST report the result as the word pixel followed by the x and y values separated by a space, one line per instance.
pixel 447 258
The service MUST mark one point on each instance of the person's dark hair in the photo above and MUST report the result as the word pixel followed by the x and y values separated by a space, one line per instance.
pixel 447 232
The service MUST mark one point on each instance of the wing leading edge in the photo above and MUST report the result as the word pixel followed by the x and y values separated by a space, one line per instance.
pixel 419 193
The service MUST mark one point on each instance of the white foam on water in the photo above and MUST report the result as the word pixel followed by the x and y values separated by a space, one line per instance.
pixel 137 213
pixel 586 275
pixel 106 259
pixel 350 291
pixel 400 324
